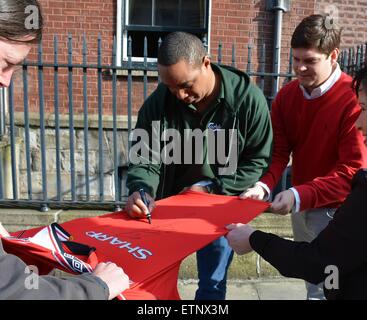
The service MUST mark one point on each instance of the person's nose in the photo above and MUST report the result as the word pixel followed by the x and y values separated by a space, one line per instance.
pixel 181 94
pixel 301 67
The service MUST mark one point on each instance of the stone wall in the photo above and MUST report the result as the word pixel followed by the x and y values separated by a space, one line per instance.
pixel 35 158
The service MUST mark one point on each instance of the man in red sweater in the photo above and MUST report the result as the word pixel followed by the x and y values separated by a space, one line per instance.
pixel 313 119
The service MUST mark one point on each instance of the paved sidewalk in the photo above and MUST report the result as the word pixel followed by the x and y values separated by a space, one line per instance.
pixel 262 289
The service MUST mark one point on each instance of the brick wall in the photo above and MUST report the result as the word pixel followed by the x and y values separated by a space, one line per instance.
pixel 232 21
pixel 75 18
pixel 244 23
pixel 248 22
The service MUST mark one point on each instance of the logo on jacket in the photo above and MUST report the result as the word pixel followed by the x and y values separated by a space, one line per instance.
pixel 213 126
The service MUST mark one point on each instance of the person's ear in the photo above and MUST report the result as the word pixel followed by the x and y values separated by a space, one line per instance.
pixel 206 61
pixel 334 55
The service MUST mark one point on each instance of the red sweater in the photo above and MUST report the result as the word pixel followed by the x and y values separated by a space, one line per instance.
pixel 326 147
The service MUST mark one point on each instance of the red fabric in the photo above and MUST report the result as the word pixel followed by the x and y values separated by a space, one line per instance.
pixel 43 258
pixel 151 254
pixel 327 148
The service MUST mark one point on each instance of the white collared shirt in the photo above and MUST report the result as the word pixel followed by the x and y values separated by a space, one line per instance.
pixel 325 87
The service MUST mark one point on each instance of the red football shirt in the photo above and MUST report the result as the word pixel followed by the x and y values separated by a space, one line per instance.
pixel 151 253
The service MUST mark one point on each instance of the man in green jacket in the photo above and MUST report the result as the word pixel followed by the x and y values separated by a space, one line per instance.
pixel 228 118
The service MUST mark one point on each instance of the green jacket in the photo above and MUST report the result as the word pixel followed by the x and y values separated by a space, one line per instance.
pixel 240 106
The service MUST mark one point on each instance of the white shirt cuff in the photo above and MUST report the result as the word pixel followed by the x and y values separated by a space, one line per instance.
pixel 203 183
pixel 298 200
pixel 266 188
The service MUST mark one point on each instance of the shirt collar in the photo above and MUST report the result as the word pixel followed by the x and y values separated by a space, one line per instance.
pixel 221 95
pixel 325 87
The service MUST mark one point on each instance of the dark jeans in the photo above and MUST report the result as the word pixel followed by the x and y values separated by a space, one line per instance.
pixel 213 262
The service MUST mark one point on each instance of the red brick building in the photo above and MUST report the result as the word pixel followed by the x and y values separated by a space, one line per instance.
pixel 230 22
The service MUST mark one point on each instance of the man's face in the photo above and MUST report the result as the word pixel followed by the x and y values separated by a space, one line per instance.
pixel 312 67
pixel 187 82
pixel 362 120
pixel 11 56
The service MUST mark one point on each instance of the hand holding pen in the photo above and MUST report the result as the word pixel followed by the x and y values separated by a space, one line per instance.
pixel 139 204
pixel 146 202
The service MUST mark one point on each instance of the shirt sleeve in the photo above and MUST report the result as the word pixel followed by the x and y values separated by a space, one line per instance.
pixel 290 258
pixel 297 203
pixel 335 186
pixel 14 280
pixel 266 188
pixel 339 244
pixel 281 146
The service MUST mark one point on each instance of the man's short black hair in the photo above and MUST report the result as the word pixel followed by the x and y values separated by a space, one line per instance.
pixel 178 46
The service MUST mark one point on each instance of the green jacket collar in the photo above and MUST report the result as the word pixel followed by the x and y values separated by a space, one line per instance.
pixel 234 86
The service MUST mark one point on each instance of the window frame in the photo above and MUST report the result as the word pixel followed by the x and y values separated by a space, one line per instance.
pixel 123 28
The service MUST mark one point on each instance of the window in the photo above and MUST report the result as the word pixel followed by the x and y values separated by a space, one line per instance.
pixel 156 18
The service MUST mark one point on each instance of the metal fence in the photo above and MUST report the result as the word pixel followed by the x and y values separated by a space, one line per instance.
pixel 350 60
pixel 353 59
